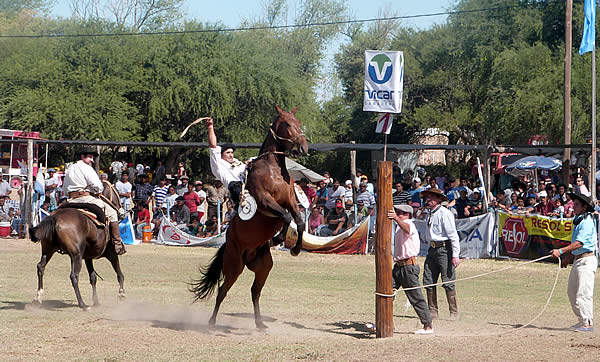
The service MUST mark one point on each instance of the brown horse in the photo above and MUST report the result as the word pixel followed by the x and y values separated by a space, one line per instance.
pixel 247 242
pixel 69 231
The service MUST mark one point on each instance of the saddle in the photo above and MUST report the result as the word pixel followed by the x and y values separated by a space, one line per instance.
pixel 93 212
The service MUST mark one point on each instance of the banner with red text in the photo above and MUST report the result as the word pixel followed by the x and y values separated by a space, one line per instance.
pixel 530 237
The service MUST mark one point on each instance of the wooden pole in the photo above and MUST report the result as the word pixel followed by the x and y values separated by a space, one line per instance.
pixel 29 190
pixel 384 306
pixel 594 144
pixel 353 172
pixel 567 89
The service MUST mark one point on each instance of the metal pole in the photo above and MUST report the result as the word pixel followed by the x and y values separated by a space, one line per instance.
pixel 567 91
pixel 29 190
pixel 384 306
pixel 384 147
pixel 593 178
pixel 353 173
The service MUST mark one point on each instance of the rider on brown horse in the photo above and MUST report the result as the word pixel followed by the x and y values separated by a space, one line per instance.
pixel 229 170
pixel 81 182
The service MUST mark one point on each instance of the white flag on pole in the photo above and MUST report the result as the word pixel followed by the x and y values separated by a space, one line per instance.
pixel 384 123
pixel 383 81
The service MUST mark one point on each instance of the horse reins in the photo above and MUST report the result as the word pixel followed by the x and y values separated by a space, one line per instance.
pixel 291 141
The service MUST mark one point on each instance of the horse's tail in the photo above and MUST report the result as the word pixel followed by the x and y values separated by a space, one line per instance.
pixel 44 231
pixel 211 277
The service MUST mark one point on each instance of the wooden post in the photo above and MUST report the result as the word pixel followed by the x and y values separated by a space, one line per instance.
pixel 384 306
pixel 29 191
pixel 353 172
pixel 567 88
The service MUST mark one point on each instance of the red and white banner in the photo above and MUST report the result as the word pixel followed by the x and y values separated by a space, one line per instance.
pixel 384 123
pixel 170 234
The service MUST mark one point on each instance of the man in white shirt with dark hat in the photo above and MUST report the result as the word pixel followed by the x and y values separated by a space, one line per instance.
pixel 81 181
pixel 443 254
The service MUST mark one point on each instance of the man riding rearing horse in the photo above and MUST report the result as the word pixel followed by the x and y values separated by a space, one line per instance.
pixel 81 182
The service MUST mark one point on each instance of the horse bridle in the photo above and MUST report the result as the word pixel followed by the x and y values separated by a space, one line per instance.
pixel 290 140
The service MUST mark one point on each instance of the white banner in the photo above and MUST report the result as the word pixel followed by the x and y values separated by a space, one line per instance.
pixel 169 234
pixel 384 123
pixel 476 236
pixel 384 73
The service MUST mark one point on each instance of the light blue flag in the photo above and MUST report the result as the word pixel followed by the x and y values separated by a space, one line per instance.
pixel 588 42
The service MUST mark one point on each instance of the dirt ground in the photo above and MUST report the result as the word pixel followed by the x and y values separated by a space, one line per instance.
pixel 316 307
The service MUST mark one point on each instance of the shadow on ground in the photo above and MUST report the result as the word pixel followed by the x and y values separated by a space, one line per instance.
pixel 51 305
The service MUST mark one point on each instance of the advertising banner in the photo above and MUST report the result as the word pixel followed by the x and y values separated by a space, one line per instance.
pixel 170 234
pixel 531 237
pixel 384 83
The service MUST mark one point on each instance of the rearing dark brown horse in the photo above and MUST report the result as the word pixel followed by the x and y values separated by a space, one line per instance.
pixel 69 231
pixel 247 242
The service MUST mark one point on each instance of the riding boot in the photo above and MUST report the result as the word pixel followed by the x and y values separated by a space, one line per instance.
pixel 451 295
pixel 116 238
pixel 432 302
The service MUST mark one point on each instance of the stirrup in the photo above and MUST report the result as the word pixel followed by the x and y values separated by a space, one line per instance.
pixel 247 206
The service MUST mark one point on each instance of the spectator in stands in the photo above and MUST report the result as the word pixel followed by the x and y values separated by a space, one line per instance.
pixel 361 210
pixel 124 189
pixel 160 193
pixel 308 191
pixel 192 201
pixel 327 179
pixel 116 169
pixel 399 196
pixel 321 194
pixel 561 193
pixel 461 203
pixel 195 227
pixel 51 184
pixel 370 186
pixel 357 179
pixel 569 207
pixel 229 214
pixel 453 191
pixel 513 201
pixel 348 193
pixel 415 193
pixel 559 209
pixel 5 188
pixel 336 220
pixel 465 184
pixel 334 193
pixel 182 188
pixel 181 172
pixel 131 172
pixel 170 199
pixel 365 196
pixel 159 173
pixel 5 213
pixel 500 202
pixel 210 228
pixel 216 194
pixel 143 218
pixel 544 207
pixel 202 196
pixel 315 220
pixel 180 214
pixel 143 190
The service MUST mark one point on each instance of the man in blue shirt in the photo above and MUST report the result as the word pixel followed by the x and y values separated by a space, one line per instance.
pixel 583 246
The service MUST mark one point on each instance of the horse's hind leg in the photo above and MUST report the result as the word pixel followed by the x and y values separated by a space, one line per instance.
pixel 261 266
pixel 114 261
pixel 232 268
pixel 46 256
pixel 89 264
pixel 75 270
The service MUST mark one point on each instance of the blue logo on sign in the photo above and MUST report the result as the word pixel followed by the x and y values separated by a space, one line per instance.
pixel 380 68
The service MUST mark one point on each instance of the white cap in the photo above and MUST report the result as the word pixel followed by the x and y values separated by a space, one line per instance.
pixel 543 194
pixel 416 179
pixel 348 182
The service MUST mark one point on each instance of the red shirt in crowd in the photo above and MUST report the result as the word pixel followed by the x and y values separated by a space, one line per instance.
pixel 192 200
pixel 144 216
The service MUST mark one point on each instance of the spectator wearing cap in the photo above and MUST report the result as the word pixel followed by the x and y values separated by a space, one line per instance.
pixel 584 244
pixel 160 193
pixel 348 193
pixel 370 187
pixel 336 220
pixel 334 193
pixel 400 196
pixel 415 192
pixel 308 191
pixel 406 270
pixel 475 204
pixel 180 214
pixel 453 191
pixel 365 196
pixel 51 183
pixel 544 207
pixel 183 186
pixel 198 185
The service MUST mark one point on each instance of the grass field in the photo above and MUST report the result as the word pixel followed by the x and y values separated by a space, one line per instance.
pixel 316 307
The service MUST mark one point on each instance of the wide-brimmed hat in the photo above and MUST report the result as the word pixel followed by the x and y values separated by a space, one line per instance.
pixel 583 198
pixel 404 208
pixel 434 192
pixel 88 151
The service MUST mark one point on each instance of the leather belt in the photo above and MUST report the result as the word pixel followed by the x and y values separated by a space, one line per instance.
pixel 76 194
pixel 589 253
pixel 438 244
pixel 410 261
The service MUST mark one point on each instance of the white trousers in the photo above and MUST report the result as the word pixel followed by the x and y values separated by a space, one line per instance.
pixel 581 288
pixel 111 213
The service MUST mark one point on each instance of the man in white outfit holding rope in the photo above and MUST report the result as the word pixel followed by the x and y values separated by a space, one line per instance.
pixel 583 246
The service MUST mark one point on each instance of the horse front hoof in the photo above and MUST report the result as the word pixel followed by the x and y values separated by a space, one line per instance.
pixel 295 251
pixel 121 297
pixel 85 308
pixel 261 326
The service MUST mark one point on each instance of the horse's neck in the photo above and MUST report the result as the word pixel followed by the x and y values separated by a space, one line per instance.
pixel 271 152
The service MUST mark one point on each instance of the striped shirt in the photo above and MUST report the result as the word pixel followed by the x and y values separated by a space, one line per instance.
pixel 160 193
pixel 401 198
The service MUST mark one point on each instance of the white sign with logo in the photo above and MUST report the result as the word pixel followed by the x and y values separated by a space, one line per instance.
pixel 384 83
pixel 384 123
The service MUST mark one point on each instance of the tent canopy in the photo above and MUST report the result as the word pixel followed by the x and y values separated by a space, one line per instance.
pixel 297 171
pixel 532 163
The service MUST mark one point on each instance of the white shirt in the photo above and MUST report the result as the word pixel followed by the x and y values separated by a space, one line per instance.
pixel 332 196
pixel 224 171
pixel 406 245
pixel 52 181
pixel 442 227
pixel 4 188
pixel 123 188
pixel 201 194
pixel 82 177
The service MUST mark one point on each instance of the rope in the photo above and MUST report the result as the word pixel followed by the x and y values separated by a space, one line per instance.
pixel 492 272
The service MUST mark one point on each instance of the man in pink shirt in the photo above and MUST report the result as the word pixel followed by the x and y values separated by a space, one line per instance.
pixel 406 270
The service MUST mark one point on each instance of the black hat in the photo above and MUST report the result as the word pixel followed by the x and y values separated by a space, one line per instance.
pixel 585 199
pixel 227 146
pixel 180 198
pixel 88 151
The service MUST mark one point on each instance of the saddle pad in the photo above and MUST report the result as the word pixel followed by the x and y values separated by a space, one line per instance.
pixel 92 217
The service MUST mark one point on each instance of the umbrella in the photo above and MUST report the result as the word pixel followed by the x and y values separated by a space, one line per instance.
pixel 297 171
pixel 532 163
